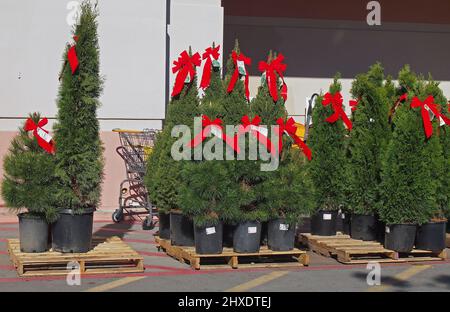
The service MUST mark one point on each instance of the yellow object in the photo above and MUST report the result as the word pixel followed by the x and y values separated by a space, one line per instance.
pixel 300 132
pixel 147 151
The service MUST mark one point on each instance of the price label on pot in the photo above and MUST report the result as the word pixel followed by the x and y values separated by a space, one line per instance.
pixel 343 216
pixel 284 227
pixel 327 216
pixel 252 230
pixel 388 230
pixel 211 230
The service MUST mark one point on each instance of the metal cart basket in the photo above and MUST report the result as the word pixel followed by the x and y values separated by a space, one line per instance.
pixel 135 147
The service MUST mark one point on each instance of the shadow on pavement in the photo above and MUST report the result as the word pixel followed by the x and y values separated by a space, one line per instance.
pixel 385 280
pixel 113 229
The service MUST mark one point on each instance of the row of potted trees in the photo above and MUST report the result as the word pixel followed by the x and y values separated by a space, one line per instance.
pixel 391 178
pixel 216 203
pixel 55 182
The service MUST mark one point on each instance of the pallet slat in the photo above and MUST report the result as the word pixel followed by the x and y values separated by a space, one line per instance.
pixel 108 256
pixel 187 254
pixel 353 251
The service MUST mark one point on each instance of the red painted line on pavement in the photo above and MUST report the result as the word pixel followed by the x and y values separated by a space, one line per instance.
pixel 127 231
pixel 8 229
pixel 133 240
pixel 3 240
pixel 109 276
pixel 7 268
pixel 152 254
pixel 167 268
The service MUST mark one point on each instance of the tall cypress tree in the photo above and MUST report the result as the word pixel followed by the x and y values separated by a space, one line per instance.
pixel 29 179
pixel 410 184
pixel 368 140
pixel 327 167
pixel 79 162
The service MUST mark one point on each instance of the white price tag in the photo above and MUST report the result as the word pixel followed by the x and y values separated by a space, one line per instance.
pixel 343 216
pixel 211 230
pixel 388 230
pixel 252 230
pixel 44 135
pixel 441 122
pixel 241 67
pixel 327 216
pixel 284 227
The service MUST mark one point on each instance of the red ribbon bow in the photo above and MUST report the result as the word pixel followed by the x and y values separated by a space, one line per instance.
pixel 275 66
pixel 183 66
pixel 403 97
pixel 290 128
pixel 353 104
pixel 429 102
pixel 208 127
pixel 72 56
pixel 253 127
pixel 43 138
pixel 247 61
pixel 336 103
pixel 206 76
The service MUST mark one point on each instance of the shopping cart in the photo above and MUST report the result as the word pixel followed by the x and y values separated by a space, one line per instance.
pixel 135 147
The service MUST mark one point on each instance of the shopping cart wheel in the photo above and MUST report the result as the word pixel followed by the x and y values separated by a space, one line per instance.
pixel 117 215
pixel 148 224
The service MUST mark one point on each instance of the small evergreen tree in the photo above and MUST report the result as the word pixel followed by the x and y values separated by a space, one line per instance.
pixel 203 194
pixel 79 162
pixel 163 178
pixel 444 190
pixel 327 167
pixel 29 178
pixel 368 140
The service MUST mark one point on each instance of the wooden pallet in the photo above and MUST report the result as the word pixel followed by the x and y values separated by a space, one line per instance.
pixel 108 256
pixel 265 258
pixel 353 251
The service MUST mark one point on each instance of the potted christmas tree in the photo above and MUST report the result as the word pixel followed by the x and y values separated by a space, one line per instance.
pixel 202 195
pixel 29 183
pixel 409 187
pixel 445 185
pixel 327 168
pixel 163 171
pixel 368 140
pixel 79 162
pixel 431 234
pixel 281 193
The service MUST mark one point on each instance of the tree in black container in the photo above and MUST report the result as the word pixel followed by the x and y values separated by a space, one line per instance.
pixel 79 162
pixel 410 164
pixel 368 140
pixel 327 167
pixel 29 185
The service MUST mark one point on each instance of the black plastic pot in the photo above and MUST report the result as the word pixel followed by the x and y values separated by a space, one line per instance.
pixel 364 227
pixel 400 237
pixel 181 230
pixel 346 222
pixel 448 227
pixel 208 239
pixel 33 233
pixel 73 232
pixel 280 235
pixel 164 225
pixel 431 236
pixel 323 223
pixel 228 230
pixel 247 237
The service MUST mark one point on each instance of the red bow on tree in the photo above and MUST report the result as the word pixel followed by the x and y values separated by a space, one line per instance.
pixel 72 56
pixel 275 66
pixel 336 103
pixel 215 127
pixel 185 65
pixel 245 61
pixel 426 105
pixel 290 128
pixel 206 76
pixel 353 104
pixel 44 139
pixel 253 127
pixel 403 97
